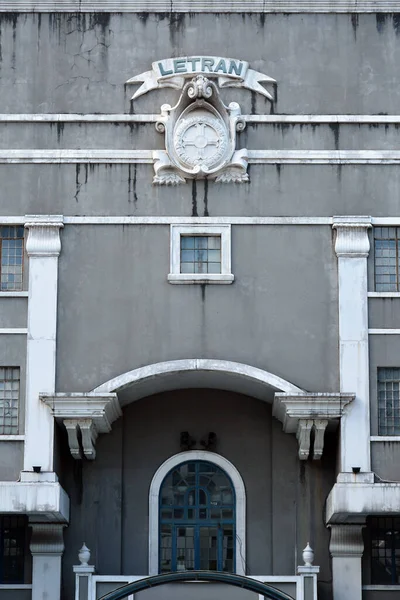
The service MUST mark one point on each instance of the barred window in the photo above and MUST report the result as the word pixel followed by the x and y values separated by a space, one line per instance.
pixel 388 401
pixel 12 549
pixel 11 253
pixel 387 244
pixel 385 550
pixel 9 400
pixel 200 254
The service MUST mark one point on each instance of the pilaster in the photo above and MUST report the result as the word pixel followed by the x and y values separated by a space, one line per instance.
pixel 47 547
pixel 346 548
pixel 43 247
pixel 352 248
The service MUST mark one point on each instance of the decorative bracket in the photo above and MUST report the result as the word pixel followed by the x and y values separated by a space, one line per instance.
pixel 303 414
pixel 84 417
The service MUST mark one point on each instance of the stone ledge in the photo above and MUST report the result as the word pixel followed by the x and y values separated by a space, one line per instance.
pixel 352 502
pixel 42 502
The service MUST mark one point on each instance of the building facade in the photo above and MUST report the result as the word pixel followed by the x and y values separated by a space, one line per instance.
pixel 200 283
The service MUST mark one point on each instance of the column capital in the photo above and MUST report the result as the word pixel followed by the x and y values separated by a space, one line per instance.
pixel 352 236
pixel 44 234
pixel 47 538
pixel 346 540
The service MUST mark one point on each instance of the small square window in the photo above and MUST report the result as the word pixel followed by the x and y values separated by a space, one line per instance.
pixel 9 400
pixel 387 249
pixel 200 254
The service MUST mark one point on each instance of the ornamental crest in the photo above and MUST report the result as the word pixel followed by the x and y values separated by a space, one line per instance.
pixel 200 130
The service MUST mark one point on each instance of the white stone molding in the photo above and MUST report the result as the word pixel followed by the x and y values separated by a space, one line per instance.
pixel 301 413
pixel 90 413
pixel 253 379
pixel 346 548
pixel 240 493
pixel 256 157
pixel 43 247
pixel 47 547
pixel 304 427
pixel 175 276
pixel 202 6
pixel 320 426
pixel 153 118
pixel 45 501
pixel 353 502
pixel 352 247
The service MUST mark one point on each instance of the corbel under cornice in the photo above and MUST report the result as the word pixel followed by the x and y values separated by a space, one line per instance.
pixel 89 414
pixel 303 413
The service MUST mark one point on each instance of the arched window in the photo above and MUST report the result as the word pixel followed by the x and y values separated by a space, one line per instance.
pixel 197 519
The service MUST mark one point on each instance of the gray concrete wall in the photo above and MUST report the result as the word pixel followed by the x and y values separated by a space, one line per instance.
pixel 117 311
pixel 283 495
pixel 79 63
pixel 274 190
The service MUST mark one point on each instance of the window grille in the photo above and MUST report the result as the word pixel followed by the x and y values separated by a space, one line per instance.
pixel 11 254
pixel 9 400
pixel 387 244
pixel 200 254
pixel 389 401
pixel 12 549
pixel 385 550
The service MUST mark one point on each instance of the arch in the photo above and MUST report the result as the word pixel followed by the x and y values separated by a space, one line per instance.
pixel 237 482
pixel 197 373
pixel 245 583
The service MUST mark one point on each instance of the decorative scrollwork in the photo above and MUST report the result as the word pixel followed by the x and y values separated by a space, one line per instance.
pixel 200 87
pixel 160 126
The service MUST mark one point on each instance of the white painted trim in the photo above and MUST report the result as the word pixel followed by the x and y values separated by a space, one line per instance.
pixel 13 294
pixel 240 492
pixel 383 588
pixel 177 231
pixel 15 586
pixel 46 500
pixel 203 6
pixel 383 294
pixel 153 118
pixel 195 364
pixel 385 438
pixel 385 221
pixel 384 331
pixel 154 220
pixel 13 331
pixel 12 438
pixel 111 156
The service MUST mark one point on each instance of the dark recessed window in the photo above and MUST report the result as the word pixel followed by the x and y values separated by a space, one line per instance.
pixel 389 401
pixel 387 244
pixel 385 550
pixel 11 258
pixel 12 549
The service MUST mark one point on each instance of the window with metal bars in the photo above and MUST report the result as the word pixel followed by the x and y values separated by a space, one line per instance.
pixel 387 245
pixel 12 548
pixel 11 258
pixel 388 401
pixel 9 400
pixel 385 550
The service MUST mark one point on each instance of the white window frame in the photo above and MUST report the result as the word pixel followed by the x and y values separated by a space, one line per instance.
pixel 175 275
pixel 240 493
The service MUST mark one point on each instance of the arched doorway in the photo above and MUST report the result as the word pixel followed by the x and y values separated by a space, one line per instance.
pixel 197 519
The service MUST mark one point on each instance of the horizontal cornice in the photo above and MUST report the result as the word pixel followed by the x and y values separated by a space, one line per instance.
pixel 153 118
pixel 110 156
pixel 203 6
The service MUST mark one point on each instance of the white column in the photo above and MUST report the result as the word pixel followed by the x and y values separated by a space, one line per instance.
pixel 352 248
pixel 346 548
pixel 47 547
pixel 43 247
